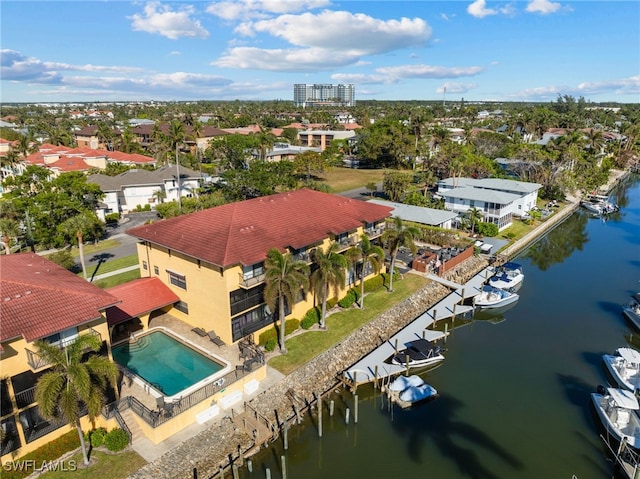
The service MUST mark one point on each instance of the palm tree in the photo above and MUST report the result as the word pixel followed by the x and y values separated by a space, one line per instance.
pixel 176 136
pixel 330 273
pixel 369 255
pixel 74 380
pixel 474 215
pixel 79 225
pixel 395 237
pixel 284 279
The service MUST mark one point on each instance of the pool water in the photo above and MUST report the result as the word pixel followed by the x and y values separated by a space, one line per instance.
pixel 165 363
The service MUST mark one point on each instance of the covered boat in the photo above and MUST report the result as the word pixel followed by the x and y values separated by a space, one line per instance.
pixel 617 410
pixel 418 353
pixel 407 391
pixel 632 310
pixel 507 276
pixel 624 366
pixel 492 297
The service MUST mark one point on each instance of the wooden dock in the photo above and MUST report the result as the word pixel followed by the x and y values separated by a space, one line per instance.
pixel 373 366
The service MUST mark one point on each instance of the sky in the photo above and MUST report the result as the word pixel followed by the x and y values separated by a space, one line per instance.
pixel 476 50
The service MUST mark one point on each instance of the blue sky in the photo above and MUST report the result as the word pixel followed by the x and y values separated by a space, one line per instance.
pixel 534 50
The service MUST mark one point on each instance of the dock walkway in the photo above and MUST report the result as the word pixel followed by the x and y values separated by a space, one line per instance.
pixel 373 366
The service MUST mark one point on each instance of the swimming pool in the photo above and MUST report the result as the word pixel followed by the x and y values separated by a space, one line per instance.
pixel 166 365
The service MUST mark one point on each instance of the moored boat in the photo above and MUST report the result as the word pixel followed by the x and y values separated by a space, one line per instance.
pixel 509 275
pixel 624 367
pixel 407 391
pixel 418 353
pixel 492 297
pixel 617 411
pixel 632 310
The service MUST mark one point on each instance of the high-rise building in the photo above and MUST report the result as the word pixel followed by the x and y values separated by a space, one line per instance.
pixel 324 94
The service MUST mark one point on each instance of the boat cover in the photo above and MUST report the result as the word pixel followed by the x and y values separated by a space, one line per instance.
pixel 403 382
pixel 624 398
pixel 417 393
pixel 636 296
pixel 629 355
pixel 511 265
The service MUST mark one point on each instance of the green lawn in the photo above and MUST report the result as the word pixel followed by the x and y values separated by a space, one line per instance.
pixel 306 346
pixel 117 279
pixel 103 465
pixel 95 248
pixel 110 265
pixel 343 179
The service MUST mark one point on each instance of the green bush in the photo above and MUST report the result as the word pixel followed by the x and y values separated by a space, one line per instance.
pixel 373 284
pixel 310 318
pixel 349 299
pixel 96 437
pixel 112 218
pixel 48 452
pixel 271 344
pixel 487 229
pixel 63 258
pixel 116 440
pixel 291 325
pixel 268 335
pixel 331 302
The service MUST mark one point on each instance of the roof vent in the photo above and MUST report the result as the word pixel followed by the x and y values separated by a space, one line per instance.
pixel 27 291
pixel 7 299
pixel 18 296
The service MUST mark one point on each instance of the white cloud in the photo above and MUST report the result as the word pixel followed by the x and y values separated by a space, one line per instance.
pixel 341 30
pixel 283 60
pixel 624 86
pixel 543 6
pixel 456 87
pixel 428 71
pixel 247 9
pixel 160 19
pixel 479 9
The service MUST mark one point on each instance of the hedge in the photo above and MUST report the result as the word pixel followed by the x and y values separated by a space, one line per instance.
pixel 116 440
pixel 374 284
pixel 290 325
pixel 310 318
pixel 350 298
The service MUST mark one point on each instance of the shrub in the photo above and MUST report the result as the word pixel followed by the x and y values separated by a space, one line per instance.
pixel 268 335
pixel 63 258
pixel 52 450
pixel 310 318
pixel 112 218
pixel 349 299
pixel 331 302
pixel 116 440
pixel 271 344
pixel 290 325
pixel 488 229
pixel 373 284
pixel 96 437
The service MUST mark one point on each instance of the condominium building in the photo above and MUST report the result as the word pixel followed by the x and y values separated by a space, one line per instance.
pixel 324 94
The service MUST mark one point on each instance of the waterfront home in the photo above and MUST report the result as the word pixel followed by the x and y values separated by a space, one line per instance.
pixel 213 260
pixel 420 214
pixel 499 200
pixel 40 301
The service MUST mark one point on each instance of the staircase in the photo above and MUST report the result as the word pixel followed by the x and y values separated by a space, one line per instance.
pixel 129 418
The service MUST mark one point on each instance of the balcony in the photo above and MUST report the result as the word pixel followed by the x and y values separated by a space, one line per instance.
pixel 250 282
pixel 37 362
pixel 374 232
pixel 345 242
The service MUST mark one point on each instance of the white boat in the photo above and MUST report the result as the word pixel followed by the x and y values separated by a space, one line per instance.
pixel 599 204
pixel 418 353
pixel 509 275
pixel 632 310
pixel 491 297
pixel 617 410
pixel 624 366
pixel 409 390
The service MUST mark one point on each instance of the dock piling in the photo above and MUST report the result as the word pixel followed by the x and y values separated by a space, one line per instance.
pixel 319 416
pixel 355 411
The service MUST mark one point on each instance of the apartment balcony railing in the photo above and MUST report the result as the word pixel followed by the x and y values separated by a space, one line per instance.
pixel 248 283
pixel 37 362
pixel 26 397
pixel 347 242
pixel 374 232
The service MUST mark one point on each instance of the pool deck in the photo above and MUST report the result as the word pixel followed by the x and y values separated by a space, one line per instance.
pixel 230 352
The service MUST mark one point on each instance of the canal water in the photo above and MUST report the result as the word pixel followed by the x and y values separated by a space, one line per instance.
pixel 514 388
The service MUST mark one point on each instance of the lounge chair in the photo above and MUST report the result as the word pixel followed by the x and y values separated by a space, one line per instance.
pixel 215 339
pixel 200 332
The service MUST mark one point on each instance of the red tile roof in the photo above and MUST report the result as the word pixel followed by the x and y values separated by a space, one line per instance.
pixel 39 298
pixel 243 232
pixel 139 296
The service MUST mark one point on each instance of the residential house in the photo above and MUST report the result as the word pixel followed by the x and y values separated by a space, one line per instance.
pixel 420 214
pixel 214 259
pixel 323 138
pixel 40 301
pixel 87 137
pixel 134 189
pixel 498 199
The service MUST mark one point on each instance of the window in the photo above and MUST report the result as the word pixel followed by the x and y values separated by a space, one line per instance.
pixel 177 279
pixel 182 306
pixel 63 338
pixel 252 271
pixel 144 265
pixel 243 299
pixel 156 270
